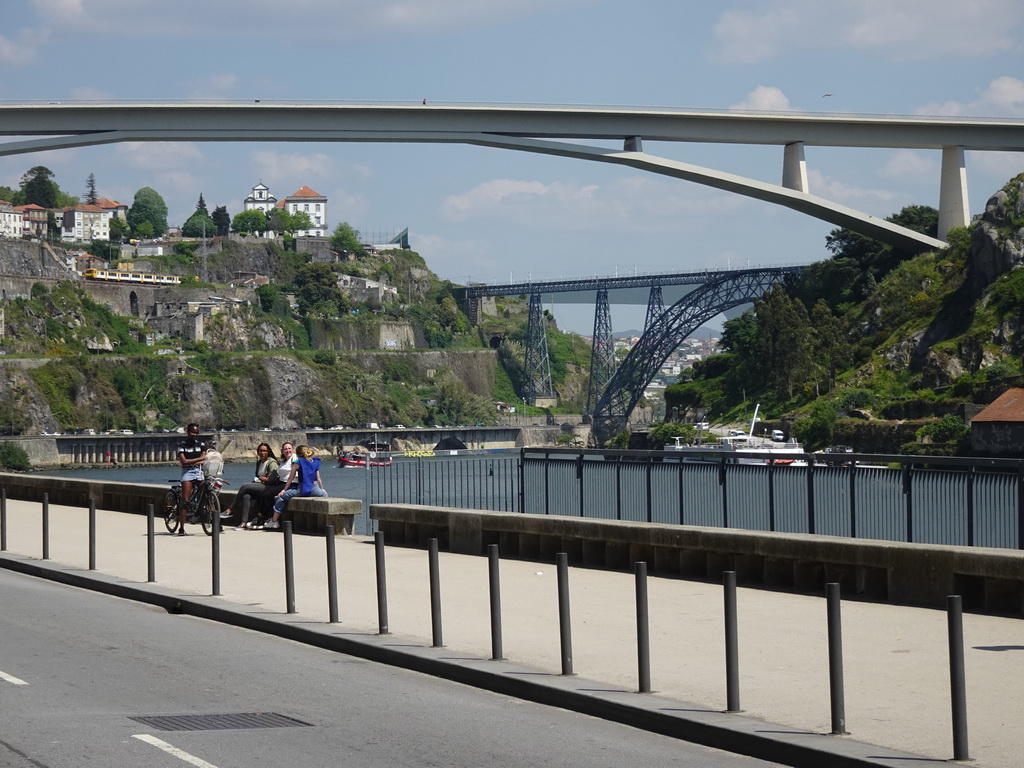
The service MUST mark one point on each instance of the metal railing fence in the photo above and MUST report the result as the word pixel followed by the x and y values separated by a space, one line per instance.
pixel 934 500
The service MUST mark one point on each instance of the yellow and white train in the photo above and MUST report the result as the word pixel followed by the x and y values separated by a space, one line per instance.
pixel 121 276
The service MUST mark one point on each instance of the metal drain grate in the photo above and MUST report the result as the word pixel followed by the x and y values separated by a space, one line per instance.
pixel 218 722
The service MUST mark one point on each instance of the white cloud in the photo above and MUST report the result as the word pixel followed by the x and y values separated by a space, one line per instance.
pixel 626 204
pixel 1003 97
pixel 20 51
pixel 906 164
pixel 765 98
pixel 277 168
pixel 158 156
pixel 909 29
pixel 838 191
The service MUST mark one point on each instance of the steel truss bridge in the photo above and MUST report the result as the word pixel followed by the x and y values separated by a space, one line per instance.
pixel 614 391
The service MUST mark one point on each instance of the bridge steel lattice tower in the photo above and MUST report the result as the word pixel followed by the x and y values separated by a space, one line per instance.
pixel 537 368
pixel 660 339
pixel 655 307
pixel 602 351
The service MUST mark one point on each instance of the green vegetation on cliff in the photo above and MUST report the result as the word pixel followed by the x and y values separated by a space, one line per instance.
pixel 874 335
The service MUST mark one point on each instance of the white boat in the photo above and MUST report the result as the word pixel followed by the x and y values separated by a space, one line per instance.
pixel 740 449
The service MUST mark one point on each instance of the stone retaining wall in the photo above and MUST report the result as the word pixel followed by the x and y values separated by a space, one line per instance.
pixel 906 574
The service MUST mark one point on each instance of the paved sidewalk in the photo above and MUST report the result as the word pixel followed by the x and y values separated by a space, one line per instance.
pixel 896 659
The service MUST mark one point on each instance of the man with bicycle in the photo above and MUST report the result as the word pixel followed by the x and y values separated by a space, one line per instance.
pixel 191 455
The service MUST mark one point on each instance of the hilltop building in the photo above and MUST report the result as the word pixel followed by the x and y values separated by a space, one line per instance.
pixel 307 201
pixel 260 199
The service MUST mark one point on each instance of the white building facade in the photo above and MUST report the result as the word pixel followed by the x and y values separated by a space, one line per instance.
pixel 305 200
pixel 260 199
pixel 10 221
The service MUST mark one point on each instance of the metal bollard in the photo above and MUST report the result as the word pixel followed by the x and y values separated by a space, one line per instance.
pixel 332 575
pixel 564 623
pixel 289 567
pixel 643 635
pixel 837 693
pixel 3 519
pixel 435 593
pixel 382 585
pixel 495 593
pixel 150 544
pixel 46 526
pixel 732 656
pixel 92 535
pixel 215 555
pixel 957 677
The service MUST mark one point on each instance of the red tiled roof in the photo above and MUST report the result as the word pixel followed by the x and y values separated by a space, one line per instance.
pixel 85 207
pixel 1009 406
pixel 306 192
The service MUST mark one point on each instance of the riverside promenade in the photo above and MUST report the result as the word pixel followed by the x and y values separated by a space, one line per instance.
pixel 896 658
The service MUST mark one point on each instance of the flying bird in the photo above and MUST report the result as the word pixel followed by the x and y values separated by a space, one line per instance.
pixel 825 94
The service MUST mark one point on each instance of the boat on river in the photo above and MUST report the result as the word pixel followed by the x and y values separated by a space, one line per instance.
pixel 740 450
pixel 358 459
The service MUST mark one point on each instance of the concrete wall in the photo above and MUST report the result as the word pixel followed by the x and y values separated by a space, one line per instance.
pixel 906 574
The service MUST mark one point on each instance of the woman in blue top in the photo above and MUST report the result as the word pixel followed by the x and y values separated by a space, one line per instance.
pixel 305 474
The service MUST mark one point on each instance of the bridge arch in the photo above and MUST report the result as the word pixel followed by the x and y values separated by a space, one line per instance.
pixel 661 338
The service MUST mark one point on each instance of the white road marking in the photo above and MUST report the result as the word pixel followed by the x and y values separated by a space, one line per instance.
pixel 11 679
pixel 172 750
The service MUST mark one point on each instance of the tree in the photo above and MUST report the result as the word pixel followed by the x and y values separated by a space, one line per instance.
pixel 829 349
pixel 317 290
pixel 222 220
pixel 874 256
pixel 119 229
pixel 249 222
pixel 346 239
pixel 783 341
pixel 90 189
pixel 199 224
pixel 14 457
pixel 39 188
pixel 148 208
pixel 201 205
pixel 280 220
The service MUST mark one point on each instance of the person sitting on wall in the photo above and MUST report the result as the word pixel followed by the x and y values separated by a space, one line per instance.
pixel 275 484
pixel 306 475
pixel 266 470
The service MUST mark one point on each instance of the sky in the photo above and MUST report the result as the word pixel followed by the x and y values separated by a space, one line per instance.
pixel 493 215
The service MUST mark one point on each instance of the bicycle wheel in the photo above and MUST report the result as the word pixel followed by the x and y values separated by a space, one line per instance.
pixel 171 511
pixel 211 507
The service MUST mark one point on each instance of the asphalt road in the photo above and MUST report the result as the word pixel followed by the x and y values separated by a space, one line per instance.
pixel 76 666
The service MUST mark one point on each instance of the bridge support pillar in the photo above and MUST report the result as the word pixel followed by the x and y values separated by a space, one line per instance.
pixel 794 168
pixel 602 351
pixel 954 210
pixel 655 307
pixel 537 366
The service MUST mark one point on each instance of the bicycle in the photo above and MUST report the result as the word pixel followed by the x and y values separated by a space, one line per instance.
pixel 202 508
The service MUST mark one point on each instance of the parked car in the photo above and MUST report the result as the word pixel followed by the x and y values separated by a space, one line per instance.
pixel 778 436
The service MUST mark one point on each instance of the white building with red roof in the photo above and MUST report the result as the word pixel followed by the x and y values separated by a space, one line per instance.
pixel 305 200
